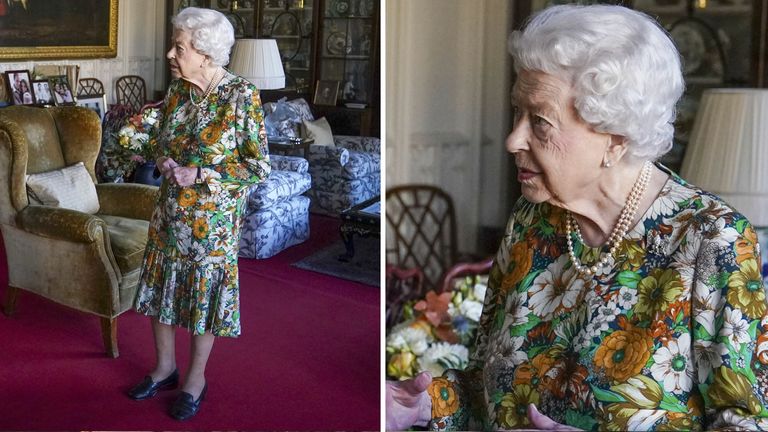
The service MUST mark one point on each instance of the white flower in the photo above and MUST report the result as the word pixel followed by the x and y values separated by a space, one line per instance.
pixel 471 309
pixel 516 310
pixel 672 365
pixel 607 313
pixel 183 237
pixel 644 419
pixel 414 339
pixel 582 340
pixel 479 291
pixel 666 203
pixel 555 288
pixel 685 260
pixel 442 356
pixel 507 350
pixel 708 356
pixel 735 421
pixel 627 297
pixel 735 328
pixel 721 235
pixel 708 302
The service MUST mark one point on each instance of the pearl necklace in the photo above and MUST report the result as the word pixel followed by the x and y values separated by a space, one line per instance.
pixel 217 76
pixel 619 230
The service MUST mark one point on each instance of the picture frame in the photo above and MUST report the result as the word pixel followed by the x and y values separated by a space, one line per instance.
pixel 4 94
pixel 60 29
pixel 62 92
pixel 326 92
pixel 95 103
pixel 19 87
pixel 43 94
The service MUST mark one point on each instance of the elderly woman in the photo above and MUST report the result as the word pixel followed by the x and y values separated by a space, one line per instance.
pixel 213 148
pixel 622 297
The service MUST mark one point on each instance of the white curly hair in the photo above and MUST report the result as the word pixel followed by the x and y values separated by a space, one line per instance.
pixel 212 33
pixel 624 69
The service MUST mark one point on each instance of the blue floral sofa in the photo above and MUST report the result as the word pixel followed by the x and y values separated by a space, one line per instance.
pixel 277 214
pixel 342 175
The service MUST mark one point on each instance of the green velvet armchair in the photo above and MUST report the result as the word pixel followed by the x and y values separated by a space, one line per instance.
pixel 87 262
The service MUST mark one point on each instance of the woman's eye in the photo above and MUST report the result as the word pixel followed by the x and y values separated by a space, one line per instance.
pixel 539 121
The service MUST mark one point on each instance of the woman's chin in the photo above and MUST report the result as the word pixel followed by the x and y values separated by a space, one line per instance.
pixel 533 194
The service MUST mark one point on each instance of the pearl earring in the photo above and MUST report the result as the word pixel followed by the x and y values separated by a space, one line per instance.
pixel 607 164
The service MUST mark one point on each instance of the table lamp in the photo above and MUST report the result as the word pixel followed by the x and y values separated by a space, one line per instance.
pixel 728 152
pixel 258 61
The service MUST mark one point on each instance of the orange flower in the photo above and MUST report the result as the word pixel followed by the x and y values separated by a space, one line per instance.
pixel 200 228
pixel 661 331
pixel 624 353
pixel 531 373
pixel 567 376
pixel 212 133
pixel 746 290
pixel 187 197
pixel 444 400
pixel 521 260
pixel 745 245
pixel 761 348
pixel 209 206
pixel 435 307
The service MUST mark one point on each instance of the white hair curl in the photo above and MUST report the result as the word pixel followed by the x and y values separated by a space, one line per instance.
pixel 212 33
pixel 624 69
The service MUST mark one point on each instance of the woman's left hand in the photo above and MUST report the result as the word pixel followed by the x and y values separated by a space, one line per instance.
pixel 182 176
pixel 541 422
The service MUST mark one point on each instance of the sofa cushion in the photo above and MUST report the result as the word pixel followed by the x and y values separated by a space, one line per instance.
pixel 128 238
pixel 280 186
pixel 356 166
pixel 70 188
pixel 269 231
pixel 284 118
pixel 320 131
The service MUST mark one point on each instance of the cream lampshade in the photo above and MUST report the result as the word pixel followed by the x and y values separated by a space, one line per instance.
pixel 728 151
pixel 258 61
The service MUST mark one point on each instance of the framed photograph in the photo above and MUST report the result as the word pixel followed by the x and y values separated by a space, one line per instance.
pixel 4 94
pixel 62 93
pixel 326 92
pixel 43 95
pixel 95 103
pixel 56 29
pixel 20 87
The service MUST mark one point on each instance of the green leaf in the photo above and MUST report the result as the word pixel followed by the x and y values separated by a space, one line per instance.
pixel 606 395
pixel 496 397
pixel 526 282
pixel 741 225
pixel 674 407
pixel 522 329
pixel 700 333
pixel 628 278
pixel 722 279
pixel 753 329
pixel 581 421
pixel 679 317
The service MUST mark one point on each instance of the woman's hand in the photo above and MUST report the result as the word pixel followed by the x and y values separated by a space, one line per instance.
pixel 182 176
pixel 407 402
pixel 541 422
pixel 165 164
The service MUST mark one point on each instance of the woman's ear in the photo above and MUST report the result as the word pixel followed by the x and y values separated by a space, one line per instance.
pixel 616 149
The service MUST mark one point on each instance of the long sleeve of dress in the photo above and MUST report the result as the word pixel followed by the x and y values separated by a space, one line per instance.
pixel 730 328
pixel 458 397
pixel 238 157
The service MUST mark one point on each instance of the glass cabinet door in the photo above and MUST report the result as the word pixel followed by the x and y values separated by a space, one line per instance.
pixel 346 48
pixel 290 22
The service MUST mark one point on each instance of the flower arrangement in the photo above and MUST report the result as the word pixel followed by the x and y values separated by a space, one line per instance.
pixel 438 331
pixel 136 135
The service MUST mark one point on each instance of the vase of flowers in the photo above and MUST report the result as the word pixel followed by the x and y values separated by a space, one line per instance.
pixel 137 139
pixel 438 331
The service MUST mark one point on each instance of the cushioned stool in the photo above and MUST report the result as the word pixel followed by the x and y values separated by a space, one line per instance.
pixel 277 215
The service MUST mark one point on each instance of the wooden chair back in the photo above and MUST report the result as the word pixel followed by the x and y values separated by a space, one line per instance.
pixel 421 224
pixel 465 269
pixel 402 286
pixel 90 87
pixel 131 90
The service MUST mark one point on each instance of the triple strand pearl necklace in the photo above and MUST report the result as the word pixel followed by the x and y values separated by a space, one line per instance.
pixel 622 225
pixel 217 76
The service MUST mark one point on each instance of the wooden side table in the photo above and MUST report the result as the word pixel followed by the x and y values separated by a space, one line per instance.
pixel 287 146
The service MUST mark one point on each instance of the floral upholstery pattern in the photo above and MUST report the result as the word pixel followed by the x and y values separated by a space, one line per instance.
pixel 344 175
pixel 277 215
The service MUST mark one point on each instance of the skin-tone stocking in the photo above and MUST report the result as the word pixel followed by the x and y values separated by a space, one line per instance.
pixel 200 350
pixel 164 349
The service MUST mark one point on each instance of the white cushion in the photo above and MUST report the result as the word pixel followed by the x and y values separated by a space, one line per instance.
pixel 320 131
pixel 70 188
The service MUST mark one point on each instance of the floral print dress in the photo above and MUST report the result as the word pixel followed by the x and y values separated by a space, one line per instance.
pixel 190 275
pixel 673 335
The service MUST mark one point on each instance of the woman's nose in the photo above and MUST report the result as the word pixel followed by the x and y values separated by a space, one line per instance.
pixel 517 140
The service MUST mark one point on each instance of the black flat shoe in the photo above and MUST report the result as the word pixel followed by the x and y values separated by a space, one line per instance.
pixel 148 388
pixel 185 407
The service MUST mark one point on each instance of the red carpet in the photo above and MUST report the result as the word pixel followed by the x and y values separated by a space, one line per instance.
pixel 308 358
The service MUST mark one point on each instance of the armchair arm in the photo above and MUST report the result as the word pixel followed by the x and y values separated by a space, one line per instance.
pixel 362 144
pixel 326 154
pixel 62 224
pixel 130 200
pixel 288 163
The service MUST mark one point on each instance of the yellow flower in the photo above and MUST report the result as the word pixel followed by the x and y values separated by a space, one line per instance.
pixel 444 400
pixel 630 255
pixel 746 290
pixel 212 134
pixel 732 389
pixel 124 141
pixel 521 260
pixel 623 353
pixel 187 197
pixel 657 291
pixel 513 412
pixel 745 245
pixel 640 391
pixel 402 365
pixel 200 228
